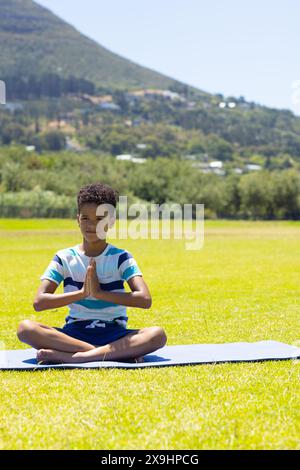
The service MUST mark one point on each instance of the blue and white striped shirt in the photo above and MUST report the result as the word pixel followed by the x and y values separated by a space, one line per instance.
pixel 114 266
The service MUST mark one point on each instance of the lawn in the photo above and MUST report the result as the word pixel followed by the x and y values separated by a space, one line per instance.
pixel 242 286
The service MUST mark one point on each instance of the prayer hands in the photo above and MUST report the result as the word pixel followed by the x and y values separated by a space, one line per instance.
pixel 91 286
pixel 93 279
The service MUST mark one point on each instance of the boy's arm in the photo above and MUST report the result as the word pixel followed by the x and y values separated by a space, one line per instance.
pixel 45 298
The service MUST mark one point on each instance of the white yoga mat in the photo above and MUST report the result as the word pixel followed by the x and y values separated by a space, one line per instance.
pixel 191 354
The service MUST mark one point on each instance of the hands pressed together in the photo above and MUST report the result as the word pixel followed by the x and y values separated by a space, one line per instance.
pixel 139 297
pixel 91 286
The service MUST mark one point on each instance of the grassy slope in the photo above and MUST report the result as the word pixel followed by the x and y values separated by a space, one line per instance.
pixel 243 286
pixel 34 39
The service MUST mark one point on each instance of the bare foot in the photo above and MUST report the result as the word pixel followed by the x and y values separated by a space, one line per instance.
pixel 51 356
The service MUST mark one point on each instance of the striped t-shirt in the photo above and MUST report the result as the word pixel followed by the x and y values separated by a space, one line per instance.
pixel 114 266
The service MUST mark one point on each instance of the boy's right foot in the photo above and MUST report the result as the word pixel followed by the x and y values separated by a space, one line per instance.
pixel 51 356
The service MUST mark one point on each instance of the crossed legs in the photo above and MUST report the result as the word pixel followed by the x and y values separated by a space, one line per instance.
pixel 56 347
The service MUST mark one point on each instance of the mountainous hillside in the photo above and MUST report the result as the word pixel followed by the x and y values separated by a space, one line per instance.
pixel 34 40
pixel 75 109
pixel 59 79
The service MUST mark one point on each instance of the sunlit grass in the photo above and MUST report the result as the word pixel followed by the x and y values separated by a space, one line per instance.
pixel 242 286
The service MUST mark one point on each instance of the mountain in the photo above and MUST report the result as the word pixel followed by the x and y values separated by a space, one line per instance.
pixel 55 70
pixel 34 40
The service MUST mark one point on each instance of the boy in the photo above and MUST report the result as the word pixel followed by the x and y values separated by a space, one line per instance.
pixel 93 273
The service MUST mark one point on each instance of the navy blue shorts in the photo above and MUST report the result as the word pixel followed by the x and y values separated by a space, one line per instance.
pixel 95 332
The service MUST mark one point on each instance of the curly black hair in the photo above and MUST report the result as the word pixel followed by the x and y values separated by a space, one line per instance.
pixel 96 193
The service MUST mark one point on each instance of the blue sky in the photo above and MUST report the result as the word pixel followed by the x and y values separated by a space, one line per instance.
pixel 240 48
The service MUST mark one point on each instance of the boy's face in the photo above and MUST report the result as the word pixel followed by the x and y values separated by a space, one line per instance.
pixel 90 223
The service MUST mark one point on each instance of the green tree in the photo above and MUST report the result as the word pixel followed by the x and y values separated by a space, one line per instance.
pixel 256 196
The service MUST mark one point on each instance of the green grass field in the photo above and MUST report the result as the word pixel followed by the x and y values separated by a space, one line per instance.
pixel 242 286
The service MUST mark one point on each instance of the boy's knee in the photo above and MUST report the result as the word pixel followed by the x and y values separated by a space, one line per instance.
pixel 25 328
pixel 159 336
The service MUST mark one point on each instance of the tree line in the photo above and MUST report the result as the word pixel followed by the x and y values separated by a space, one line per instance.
pixel 51 181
